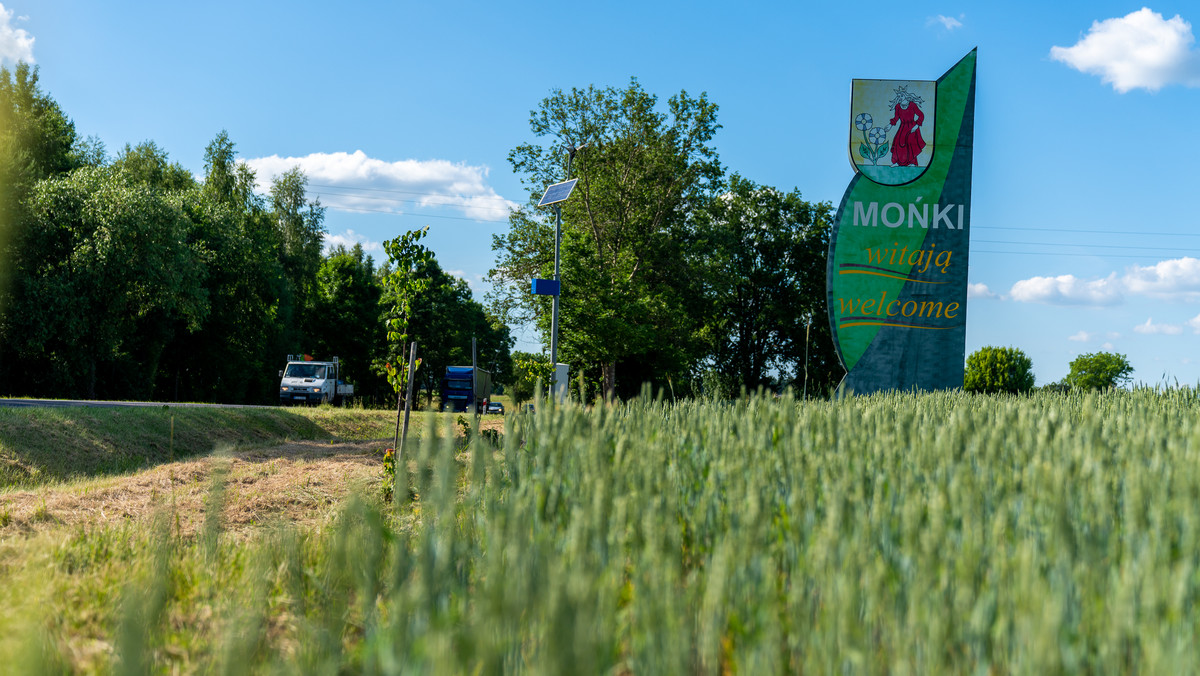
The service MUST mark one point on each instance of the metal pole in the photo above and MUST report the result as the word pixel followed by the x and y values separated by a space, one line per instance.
pixel 474 383
pixel 557 278
pixel 554 312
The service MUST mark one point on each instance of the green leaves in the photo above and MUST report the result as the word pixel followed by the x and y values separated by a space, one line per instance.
pixel 992 370
pixel 865 151
pixel 1100 371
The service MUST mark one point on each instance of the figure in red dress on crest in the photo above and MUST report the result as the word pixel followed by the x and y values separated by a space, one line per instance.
pixel 907 144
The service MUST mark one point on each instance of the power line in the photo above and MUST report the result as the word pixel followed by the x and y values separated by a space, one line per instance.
pixel 388 199
pixel 1092 232
pixel 1052 253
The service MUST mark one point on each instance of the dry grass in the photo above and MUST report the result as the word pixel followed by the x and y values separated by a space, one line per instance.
pixel 299 482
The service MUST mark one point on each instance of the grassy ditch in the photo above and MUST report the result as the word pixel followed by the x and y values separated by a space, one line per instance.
pixel 47 445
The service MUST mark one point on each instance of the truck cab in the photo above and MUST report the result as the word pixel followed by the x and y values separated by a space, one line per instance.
pixel 457 386
pixel 311 382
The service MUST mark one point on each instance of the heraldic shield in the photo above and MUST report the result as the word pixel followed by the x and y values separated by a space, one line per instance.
pixel 892 129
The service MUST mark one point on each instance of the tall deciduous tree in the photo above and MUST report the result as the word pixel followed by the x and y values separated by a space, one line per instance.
pixel 115 272
pixel 626 288
pixel 36 142
pixel 301 231
pixel 761 255
pixel 347 318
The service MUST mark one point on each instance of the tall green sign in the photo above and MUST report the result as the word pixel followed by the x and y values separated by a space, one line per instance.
pixel 897 271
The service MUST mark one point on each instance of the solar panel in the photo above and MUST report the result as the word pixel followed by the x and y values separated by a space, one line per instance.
pixel 559 192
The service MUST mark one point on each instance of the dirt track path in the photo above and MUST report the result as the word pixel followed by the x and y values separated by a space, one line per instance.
pixel 298 482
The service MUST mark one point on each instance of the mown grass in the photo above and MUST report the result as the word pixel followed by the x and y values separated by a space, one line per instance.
pixel 897 534
pixel 47 445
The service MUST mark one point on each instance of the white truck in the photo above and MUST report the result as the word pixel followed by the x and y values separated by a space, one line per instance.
pixel 312 382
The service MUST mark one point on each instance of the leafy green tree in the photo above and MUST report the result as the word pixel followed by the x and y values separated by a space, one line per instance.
pixel 403 282
pixel 529 370
pixel 301 231
pixel 998 369
pixel 114 276
pixel 762 254
pixel 1100 370
pixel 148 164
pixel 628 297
pixel 36 142
pixel 347 317
pixel 445 318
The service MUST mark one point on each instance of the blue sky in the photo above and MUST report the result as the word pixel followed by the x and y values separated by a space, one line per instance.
pixel 1085 233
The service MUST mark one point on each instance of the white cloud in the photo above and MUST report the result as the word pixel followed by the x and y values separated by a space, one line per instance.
pixel 1108 347
pixel 1067 290
pixel 356 182
pixel 980 291
pixel 16 44
pixel 1082 337
pixel 1177 279
pixel 947 22
pixel 349 238
pixel 1150 328
pixel 475 282
pixel 1140 49
pixel 1194 322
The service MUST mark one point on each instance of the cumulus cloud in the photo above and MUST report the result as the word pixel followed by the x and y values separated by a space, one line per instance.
pixel 1194 322
pixel 1150 328
pixel 1067 290
pixel 1082 337
pixel 357 182
pixel 349 238
pixel 947 22
pixel 1138 50
pixel 1177 279
pixel 1108 347
pixel 980 291
pixel 16 44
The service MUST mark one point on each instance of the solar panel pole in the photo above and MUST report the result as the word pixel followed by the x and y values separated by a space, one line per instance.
pixel 571 150
pixel 557 279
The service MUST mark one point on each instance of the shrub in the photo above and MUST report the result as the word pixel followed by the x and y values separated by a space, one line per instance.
pixel 1100 371
pixel 998 369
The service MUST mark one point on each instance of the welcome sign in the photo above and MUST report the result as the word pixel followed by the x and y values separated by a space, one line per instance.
pixel 898 255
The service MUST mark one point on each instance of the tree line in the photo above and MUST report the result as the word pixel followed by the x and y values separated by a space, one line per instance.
pixel 125 277
pixel 675 272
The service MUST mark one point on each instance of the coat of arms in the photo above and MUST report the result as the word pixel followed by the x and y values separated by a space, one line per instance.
pixel 891 128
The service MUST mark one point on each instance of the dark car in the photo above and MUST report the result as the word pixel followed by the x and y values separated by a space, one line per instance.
pixel 495 407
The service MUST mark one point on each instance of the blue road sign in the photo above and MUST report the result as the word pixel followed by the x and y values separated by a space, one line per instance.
pixel 545 287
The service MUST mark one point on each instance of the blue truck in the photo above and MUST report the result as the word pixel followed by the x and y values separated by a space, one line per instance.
pixel 456 388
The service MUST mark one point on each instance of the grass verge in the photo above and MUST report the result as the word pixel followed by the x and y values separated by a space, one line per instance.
pixel 48 445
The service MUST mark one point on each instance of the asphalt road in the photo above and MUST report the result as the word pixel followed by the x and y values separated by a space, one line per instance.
pixel 60 403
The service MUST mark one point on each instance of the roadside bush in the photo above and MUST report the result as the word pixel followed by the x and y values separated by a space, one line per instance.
pixel 1100 371
pixel 998 369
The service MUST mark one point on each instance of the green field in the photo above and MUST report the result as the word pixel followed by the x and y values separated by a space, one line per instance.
pixel 900 534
